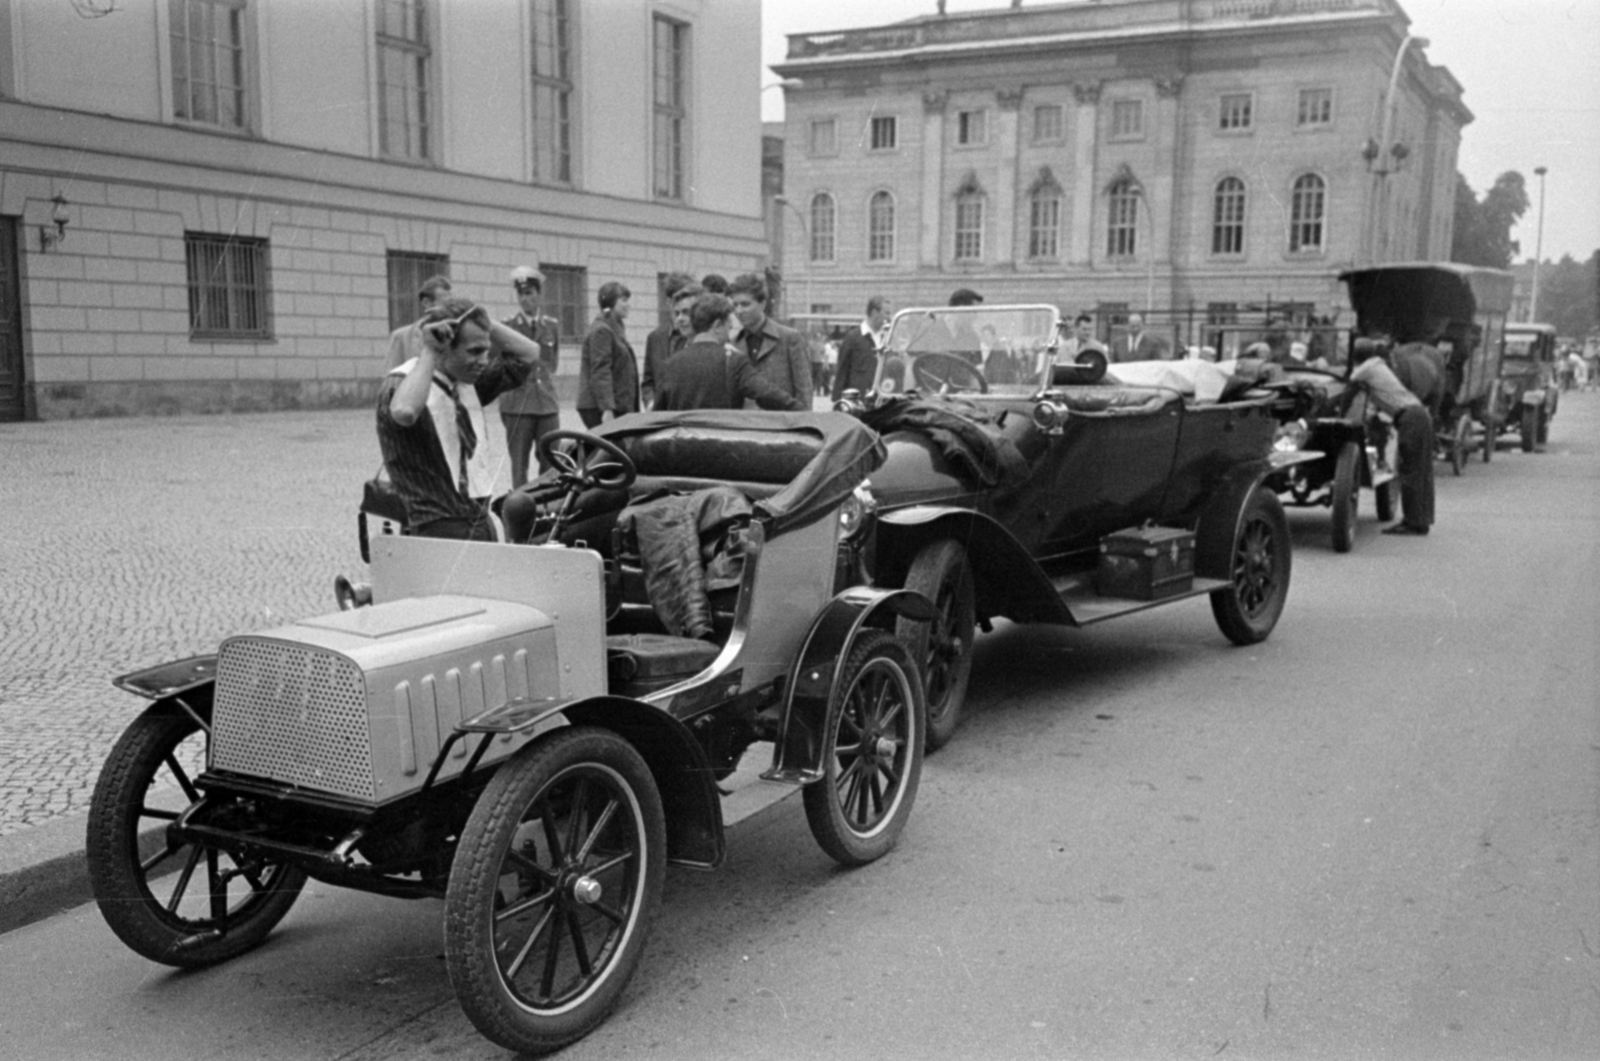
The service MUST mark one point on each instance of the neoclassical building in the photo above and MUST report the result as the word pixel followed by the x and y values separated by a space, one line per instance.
pixel 1196 156
pixel 227 204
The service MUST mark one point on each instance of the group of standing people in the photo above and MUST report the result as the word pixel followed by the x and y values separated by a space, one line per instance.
pixel 720 351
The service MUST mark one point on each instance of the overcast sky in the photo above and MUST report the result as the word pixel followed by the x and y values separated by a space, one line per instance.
pixel 1530 70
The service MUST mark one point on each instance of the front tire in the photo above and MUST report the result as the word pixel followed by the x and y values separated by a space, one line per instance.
pixel 185 904
pixel 556 881
pixel 872 753
pixel 1459 435
pixel 1258 566
pixel 1529 428
pixel 1346 492
pixel 943 646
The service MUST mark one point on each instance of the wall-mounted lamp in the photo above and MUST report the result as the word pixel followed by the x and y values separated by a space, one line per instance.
pixel 58 218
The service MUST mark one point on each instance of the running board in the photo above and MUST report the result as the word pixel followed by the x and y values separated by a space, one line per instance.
pixel 1087 607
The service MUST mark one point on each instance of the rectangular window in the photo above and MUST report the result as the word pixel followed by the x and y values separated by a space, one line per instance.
pixel 880 228
pixel 1044 225
pixel 1047 123
pixel 405 83
pixel 1127 119
pixel 566 298
pixel 1227 219
pixel 1122 222
pixel 228 289
pixel 551 47
pixel 407 272
pixel 1316 107
pixel 824 138
pixel 208 62
pixel 883 134
pixel 671 106
pixel 1235 111
pixel 971 127
pixel 969 228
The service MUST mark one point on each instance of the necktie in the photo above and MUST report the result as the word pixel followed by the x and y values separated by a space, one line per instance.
pixel 467 437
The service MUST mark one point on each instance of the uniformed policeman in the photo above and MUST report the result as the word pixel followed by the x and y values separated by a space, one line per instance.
pixel 531 411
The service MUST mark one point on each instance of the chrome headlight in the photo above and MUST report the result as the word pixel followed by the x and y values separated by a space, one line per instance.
pixel 1049 416
pixel 850 402
pixel 1291 436
pixel 855 509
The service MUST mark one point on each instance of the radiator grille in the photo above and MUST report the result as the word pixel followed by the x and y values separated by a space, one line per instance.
pixel 293 714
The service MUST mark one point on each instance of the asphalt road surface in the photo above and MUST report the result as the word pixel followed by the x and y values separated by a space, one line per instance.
pixel 1375 836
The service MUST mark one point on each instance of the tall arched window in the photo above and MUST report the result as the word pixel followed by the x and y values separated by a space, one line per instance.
pixel 1227 218
pixel 1044 221
pixel 969 226
pixel 880 228
pixel 1122 220
pixel 1307 208
pixel 822 218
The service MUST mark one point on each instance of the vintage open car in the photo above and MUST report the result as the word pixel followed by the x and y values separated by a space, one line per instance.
pixel 532 732
pixel 1529 387
pixel 1013 467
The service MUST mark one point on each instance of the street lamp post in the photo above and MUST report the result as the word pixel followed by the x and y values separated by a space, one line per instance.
pixel 805 239
pixel 1538 247
pixel 1383 153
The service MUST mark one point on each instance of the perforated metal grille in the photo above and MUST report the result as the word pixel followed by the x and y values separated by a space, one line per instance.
pixel 293 714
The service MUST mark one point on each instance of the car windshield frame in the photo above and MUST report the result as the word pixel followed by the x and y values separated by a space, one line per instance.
pixel 1027 336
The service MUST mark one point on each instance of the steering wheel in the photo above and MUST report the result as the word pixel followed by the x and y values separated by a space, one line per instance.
pixel 575 469
pixel 946 373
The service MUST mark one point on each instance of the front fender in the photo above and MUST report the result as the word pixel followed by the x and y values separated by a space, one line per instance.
pixel 814 679
pixel 169 679
pixel 1008 580
pixel 678 763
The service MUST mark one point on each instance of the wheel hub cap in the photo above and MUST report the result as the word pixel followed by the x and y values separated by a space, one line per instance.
pixel 587 890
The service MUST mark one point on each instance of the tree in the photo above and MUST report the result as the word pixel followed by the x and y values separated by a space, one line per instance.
pixel 1483 229
pixel 1567 291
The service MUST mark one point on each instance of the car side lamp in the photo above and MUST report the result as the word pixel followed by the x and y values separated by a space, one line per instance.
pixel 1290 436
pixel 1050 414
pixel 850 402
pixel 351 595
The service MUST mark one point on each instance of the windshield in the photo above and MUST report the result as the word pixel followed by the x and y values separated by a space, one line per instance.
pixel 968 350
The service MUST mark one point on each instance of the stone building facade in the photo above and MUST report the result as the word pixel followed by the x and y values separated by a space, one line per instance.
pixel 250 191
pixel 1196 156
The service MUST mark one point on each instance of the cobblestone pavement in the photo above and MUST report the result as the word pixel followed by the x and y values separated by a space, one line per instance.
pixel 130 542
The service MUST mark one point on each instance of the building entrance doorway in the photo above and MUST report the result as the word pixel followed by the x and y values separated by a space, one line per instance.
pixel 13 387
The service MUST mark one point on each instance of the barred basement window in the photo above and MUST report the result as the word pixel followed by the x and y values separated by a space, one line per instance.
pixel 407 273
pixel 566 297
pixel 228 292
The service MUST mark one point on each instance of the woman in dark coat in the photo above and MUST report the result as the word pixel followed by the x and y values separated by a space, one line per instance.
pixel 608 375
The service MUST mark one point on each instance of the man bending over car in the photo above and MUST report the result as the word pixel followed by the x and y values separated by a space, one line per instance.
pixel 430 418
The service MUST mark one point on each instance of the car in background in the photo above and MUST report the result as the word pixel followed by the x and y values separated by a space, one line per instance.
pixel 1529 387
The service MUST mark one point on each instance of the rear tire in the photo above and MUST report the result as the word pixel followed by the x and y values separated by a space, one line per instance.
pixel 871 754
pixel 942 646
pixel 186 905
pixel 1529 428
pixel 1346 491
pixel 556 881
pixel 1460 432
pixel 1257 566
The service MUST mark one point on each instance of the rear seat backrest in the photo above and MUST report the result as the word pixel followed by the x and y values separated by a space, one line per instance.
pixel 774 457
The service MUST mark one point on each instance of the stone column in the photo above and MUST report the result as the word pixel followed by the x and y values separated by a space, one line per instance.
pixel 1163 184
pixel 1007 132
pixel 1085 133
pixel 932 178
